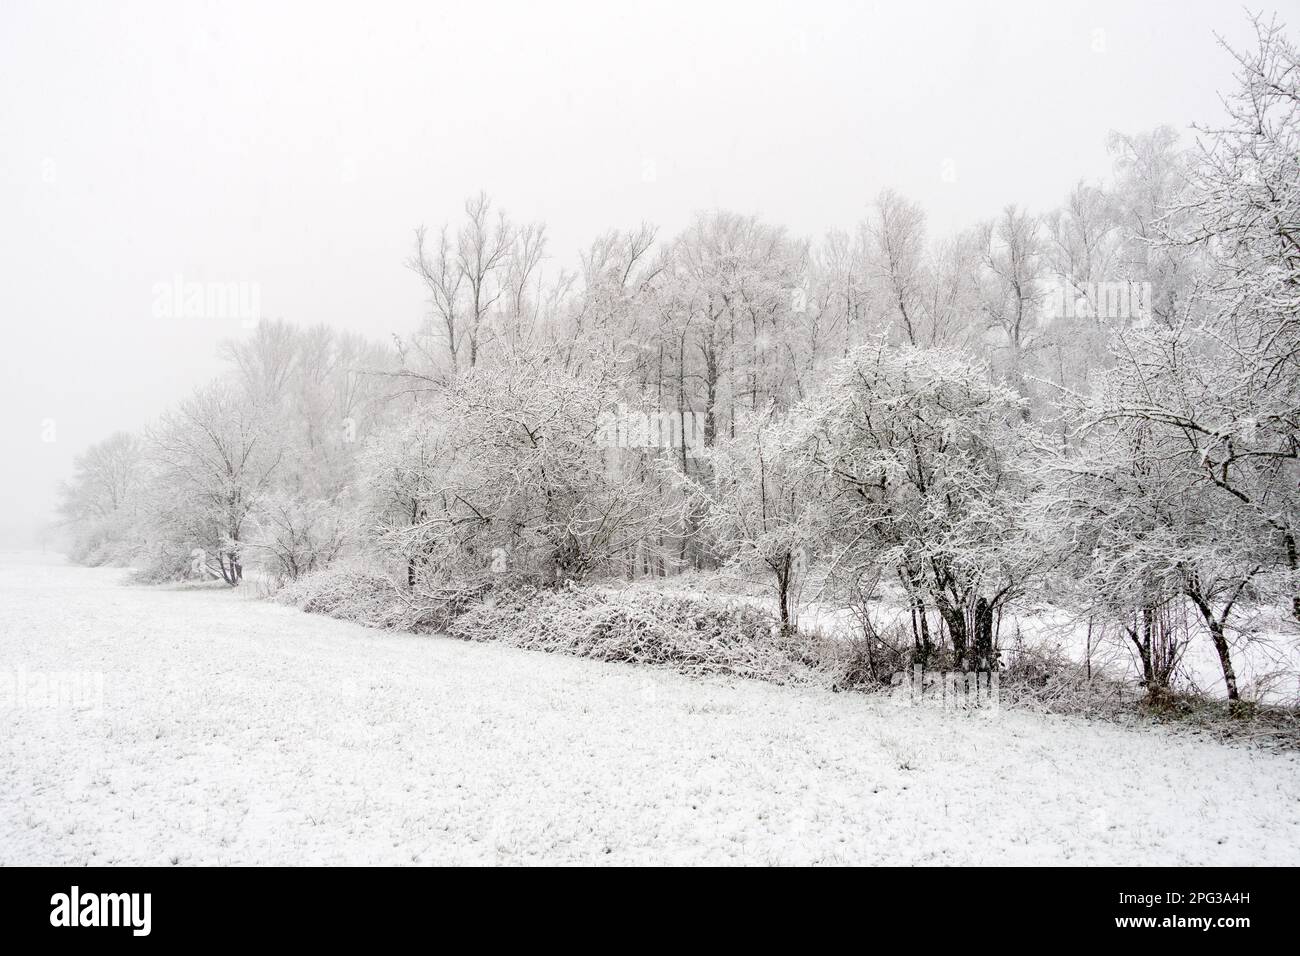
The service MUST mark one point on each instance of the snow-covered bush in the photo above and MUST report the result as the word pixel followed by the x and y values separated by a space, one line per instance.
pixel 294 536
pixel 691 635
pixel 1044 678
pixel 356 590
pixel 166 562
pixel 351 591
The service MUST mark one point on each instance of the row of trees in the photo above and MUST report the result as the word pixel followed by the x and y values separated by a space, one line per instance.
pixel 259 465
pixel 1095 407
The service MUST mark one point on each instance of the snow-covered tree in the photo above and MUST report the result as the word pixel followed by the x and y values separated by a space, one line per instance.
pixel 214 457
pixel 919 450
pixel 762 507
pixel 1238 405
pixel 405 471
pixel 480 283
pixel 1012 290
pixel 519 476
pixel 101 503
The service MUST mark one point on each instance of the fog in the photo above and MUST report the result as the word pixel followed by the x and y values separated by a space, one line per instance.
pixel 295 147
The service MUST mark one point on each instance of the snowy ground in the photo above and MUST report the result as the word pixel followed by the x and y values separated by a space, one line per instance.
pixel 236 731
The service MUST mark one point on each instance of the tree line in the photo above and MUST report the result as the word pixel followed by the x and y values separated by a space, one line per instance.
pixel 1094 408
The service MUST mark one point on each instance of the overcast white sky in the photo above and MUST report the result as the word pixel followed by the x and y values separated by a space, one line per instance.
pixel 297 145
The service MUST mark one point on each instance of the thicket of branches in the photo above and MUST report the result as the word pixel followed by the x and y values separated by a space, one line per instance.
pixel 1096 408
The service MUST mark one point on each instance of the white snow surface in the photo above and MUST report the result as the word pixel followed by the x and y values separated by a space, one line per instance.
pixel 235 731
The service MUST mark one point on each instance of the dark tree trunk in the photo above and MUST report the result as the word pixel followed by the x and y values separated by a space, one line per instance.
pixel 955 618
pixel 920 623
pixel 983 634
pixel 1142 644
pixel 1225 658
pixel 923 629
pixel 1293 562
pixel 1217 626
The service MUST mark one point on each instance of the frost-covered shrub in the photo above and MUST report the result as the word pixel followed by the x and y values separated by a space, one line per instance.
pixel 163 563
pixel 103 542
pixel 508 469
pixel 690 635
pixel 296 536
pixel 352 591
pixel 349 591
pixel 1044 678
pixel 869 659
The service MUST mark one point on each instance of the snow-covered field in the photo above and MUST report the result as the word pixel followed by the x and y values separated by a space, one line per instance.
pixel 236 731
